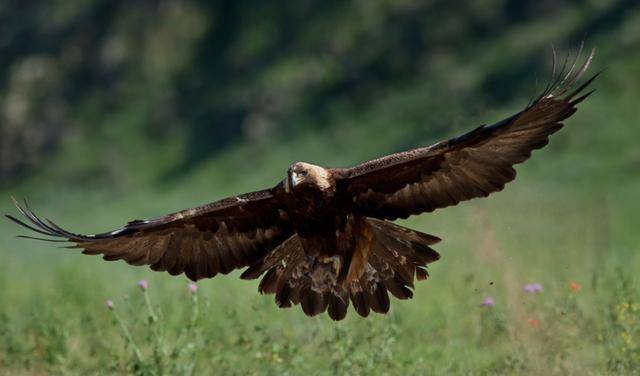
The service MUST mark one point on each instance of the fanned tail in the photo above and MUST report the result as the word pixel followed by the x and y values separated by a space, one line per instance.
pixel 385 258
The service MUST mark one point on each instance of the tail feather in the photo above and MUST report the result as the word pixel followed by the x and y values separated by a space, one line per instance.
pixel 386 259
pixel 379 299
pixel 360 302
pixel 283 296
pixel 312 302
pixel 421 273
pixel 269 282
pixel 337 307
pixel 398 288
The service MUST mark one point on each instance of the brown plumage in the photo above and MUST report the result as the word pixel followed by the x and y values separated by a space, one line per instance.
pixel 321 237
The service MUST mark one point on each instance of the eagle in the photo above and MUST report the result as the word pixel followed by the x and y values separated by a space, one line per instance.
pixel 323 238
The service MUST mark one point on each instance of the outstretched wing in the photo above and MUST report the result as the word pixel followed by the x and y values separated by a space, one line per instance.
pixel 201 242
pixel 472 165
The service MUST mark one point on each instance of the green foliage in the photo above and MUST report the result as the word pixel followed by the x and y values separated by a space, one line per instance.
pixel 623 314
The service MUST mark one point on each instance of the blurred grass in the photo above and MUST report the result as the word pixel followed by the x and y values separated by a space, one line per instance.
pixel 569 217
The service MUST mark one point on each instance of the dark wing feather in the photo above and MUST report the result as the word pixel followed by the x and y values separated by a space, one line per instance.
pixel 201 242
pixel 473 165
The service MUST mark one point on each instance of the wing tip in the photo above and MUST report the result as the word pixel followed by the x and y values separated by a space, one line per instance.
pixel 565 81
pixel 38 225
pixel 49 228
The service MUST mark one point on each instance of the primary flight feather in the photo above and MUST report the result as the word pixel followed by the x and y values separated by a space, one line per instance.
pixel 321 237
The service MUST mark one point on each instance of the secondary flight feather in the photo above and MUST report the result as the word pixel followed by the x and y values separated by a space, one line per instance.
pixel 322 237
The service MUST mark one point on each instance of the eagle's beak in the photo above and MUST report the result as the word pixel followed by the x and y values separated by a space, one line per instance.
pixel 295 180
pixel 292 181
pixel 289 183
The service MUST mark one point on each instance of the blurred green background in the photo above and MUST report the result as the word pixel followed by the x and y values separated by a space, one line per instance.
pixel 116 110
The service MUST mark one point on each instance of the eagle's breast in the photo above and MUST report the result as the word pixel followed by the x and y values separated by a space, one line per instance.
pixel 312 209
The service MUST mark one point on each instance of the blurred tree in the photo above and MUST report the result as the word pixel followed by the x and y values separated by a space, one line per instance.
pixel 132 77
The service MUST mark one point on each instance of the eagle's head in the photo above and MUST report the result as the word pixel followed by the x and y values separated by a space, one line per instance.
pixel 302 174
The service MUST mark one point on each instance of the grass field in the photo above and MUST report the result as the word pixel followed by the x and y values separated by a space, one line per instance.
pixel 569 223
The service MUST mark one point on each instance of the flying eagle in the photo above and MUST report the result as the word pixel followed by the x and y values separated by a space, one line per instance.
pixel 323 237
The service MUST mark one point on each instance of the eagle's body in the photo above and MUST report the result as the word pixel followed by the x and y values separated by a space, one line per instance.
pixel 322 237
pixel 337 254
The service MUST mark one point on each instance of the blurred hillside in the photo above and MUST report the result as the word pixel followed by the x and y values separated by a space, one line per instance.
pixel 120 93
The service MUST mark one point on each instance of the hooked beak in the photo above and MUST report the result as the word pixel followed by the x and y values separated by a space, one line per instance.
pixel 292 180
pixel 288 186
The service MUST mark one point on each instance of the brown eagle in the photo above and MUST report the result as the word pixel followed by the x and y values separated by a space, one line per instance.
pixel 323 237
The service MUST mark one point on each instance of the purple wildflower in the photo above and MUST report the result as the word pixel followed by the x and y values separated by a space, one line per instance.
pixel 144 285
pixel 531 288
pixel 193 288
pixel 109 304
pixel 488 302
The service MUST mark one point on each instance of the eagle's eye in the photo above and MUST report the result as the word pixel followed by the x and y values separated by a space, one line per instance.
pixel 303 173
